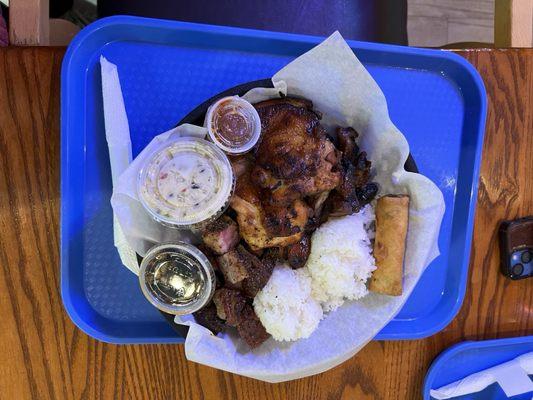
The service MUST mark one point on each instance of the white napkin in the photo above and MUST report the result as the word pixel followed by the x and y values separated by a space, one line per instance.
pixel 118 140
pixel 512 377
pixel 134 230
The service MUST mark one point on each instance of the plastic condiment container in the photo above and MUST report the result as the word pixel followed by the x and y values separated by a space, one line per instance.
pixel 186 183
pixel 177 278
pixel 233 124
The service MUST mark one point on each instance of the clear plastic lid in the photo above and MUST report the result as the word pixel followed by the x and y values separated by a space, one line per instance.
pixel 233 124
pixel 177 278
pixel 186 183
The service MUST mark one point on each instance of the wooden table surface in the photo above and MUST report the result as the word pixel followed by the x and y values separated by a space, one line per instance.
pixel 44 356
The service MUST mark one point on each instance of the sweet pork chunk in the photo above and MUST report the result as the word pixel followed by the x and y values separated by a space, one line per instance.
pixel 258 277
pixel 229 305
pixel 234 268
pixel 222 235
pixel 242 270
pixel 355 189
pixel 208 318
pixel 250 329
pixel 232 307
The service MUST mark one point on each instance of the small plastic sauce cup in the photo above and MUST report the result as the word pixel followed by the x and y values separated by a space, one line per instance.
pixel 177 278
pixel 233 125
pixel 186 183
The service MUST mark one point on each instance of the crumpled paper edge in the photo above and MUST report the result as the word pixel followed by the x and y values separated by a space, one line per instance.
pixel 119 144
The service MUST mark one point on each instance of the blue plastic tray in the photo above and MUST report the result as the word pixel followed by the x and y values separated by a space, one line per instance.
pixel 436 98
pixel 466 358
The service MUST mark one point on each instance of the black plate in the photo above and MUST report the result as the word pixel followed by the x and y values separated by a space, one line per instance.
pixel 196 117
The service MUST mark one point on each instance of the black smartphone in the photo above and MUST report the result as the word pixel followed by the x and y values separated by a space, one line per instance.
pixel 516 248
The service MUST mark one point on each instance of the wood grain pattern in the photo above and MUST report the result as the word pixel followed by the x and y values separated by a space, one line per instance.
pixel 46 357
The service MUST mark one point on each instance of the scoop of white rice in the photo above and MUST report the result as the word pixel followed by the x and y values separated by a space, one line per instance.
pixel 341 259
pixel 292 303
pixel 285 306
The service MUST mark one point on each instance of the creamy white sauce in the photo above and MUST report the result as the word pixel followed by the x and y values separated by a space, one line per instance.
pixel 186 183
pixel 186 180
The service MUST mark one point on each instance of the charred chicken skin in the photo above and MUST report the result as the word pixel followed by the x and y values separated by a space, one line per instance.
pixel 264 227
pixel 294 160
pixel 354 190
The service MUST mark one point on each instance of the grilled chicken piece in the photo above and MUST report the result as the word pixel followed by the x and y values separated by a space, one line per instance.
pixel 290 137
pixel 221 235
pixel 264 227
pixel 295 158
pixel 284 191
pixel 282 221
pixel 252 226
pixel 317 203
pixel 240 164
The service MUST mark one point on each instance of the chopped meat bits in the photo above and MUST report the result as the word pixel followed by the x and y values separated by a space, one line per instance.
pixel 232 306
pixel 234 269
pixel 243 270
pixel 221 236
pixel 207 317
pixel 250 329
pixel 229 305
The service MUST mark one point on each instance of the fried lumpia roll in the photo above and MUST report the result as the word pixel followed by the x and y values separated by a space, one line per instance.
pixel 392 216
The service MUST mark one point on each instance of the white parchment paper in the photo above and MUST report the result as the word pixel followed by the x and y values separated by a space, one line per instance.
pixel 342 89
